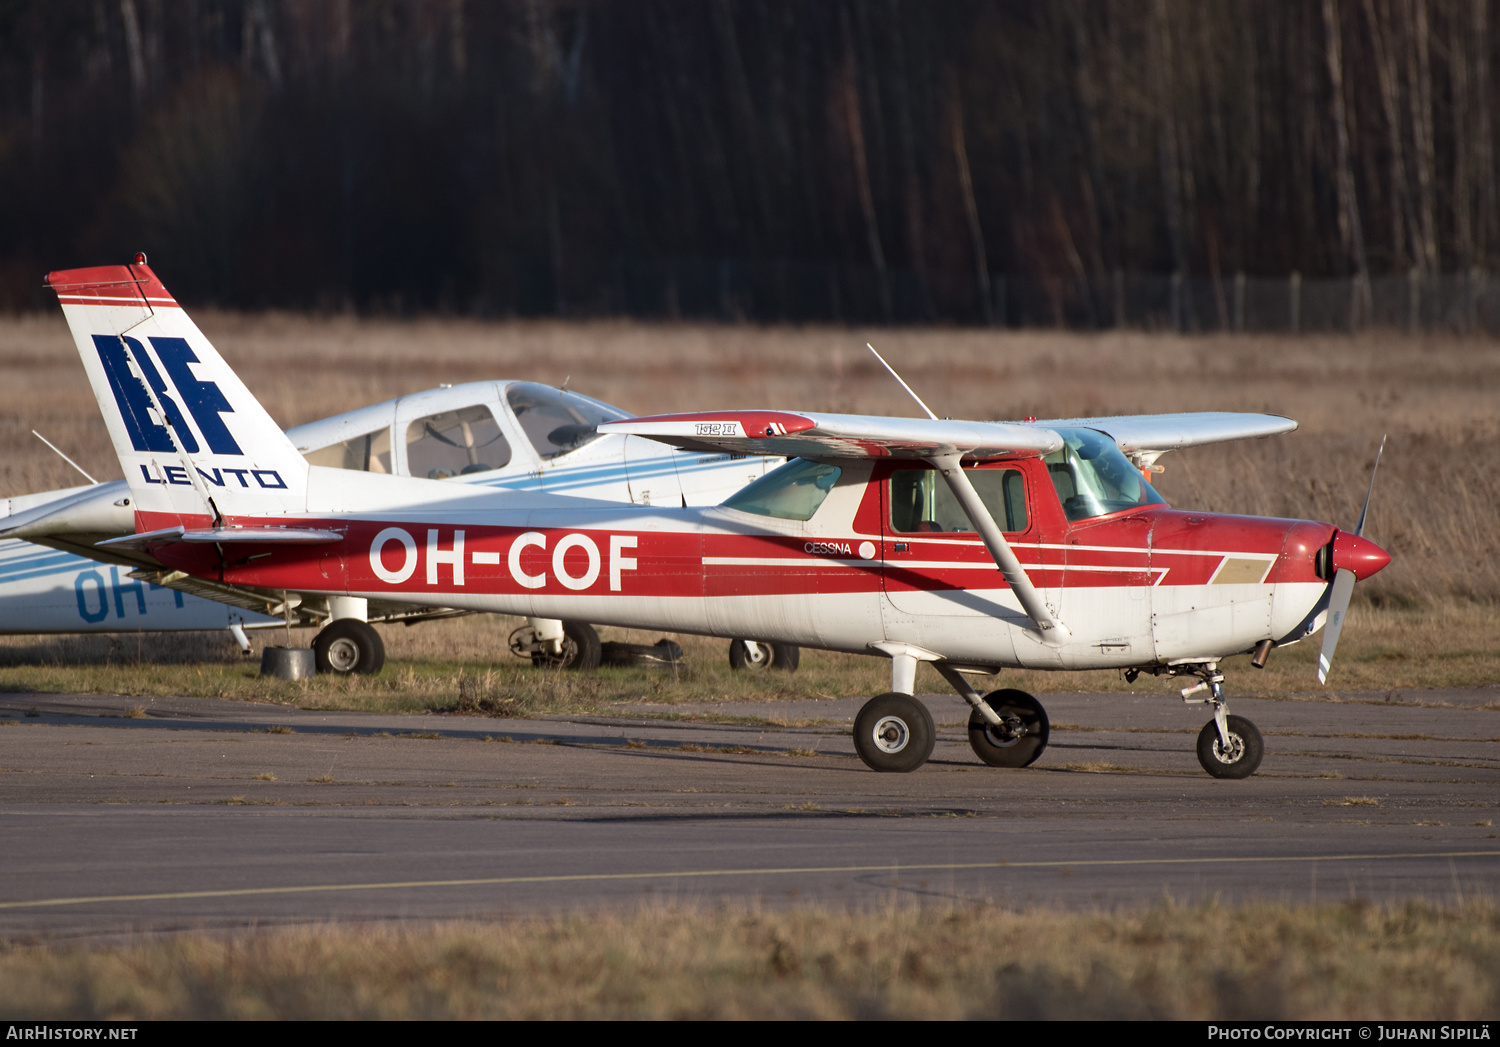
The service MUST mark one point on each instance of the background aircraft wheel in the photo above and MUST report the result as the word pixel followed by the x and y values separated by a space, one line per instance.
pixel 1019 740
pixel 894 732
pixel 756 655
pixel 348 645
pixel 1241 758
pixel 580 649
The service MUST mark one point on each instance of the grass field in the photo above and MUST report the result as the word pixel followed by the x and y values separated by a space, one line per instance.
pixel 1262 961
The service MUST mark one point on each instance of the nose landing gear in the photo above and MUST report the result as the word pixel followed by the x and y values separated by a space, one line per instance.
pixel 1228 746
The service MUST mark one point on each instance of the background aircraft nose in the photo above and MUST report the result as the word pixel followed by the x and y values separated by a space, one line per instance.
pixel 1359 556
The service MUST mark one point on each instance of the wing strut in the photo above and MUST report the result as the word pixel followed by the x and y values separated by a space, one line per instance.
pixel 1052 630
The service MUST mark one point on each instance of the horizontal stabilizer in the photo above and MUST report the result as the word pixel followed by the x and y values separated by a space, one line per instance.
pixel 225 535
pixel 806 435
pixel 94 510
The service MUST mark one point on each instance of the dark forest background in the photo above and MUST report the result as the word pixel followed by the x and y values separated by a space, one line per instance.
pixel 775 159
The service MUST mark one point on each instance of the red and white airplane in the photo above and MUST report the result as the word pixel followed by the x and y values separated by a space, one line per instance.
pixel 976 546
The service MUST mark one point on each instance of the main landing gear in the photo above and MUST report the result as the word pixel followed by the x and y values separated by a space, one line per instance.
pixel 895 732
pixel 348 645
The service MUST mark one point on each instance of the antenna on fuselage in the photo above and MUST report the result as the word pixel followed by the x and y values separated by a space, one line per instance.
pixel 898 378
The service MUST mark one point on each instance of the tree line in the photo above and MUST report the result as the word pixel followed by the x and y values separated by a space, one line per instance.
pixel 878 158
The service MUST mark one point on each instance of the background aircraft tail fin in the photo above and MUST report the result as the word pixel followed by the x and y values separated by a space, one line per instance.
pixel 192 440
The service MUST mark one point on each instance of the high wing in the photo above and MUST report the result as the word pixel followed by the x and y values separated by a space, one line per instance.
pixel 1146 437
pixel 807 435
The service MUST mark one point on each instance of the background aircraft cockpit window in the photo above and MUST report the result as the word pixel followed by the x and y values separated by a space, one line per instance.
pixel 555 420
pixel 922 501
pixel 370 453
pixel 456 442
pixel 1093 478
pixel 791 492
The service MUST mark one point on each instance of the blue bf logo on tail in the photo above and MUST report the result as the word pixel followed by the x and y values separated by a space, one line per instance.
pixel 203 400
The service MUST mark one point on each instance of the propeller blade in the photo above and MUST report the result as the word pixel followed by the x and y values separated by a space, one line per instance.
pixel 1359 528
pixel 1338 605
pixel 1344 579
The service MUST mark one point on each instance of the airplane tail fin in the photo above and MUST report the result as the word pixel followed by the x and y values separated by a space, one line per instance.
pixel 192 440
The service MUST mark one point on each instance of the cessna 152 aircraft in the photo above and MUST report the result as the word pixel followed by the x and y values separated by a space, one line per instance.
pixel 503 435
pixel 975 546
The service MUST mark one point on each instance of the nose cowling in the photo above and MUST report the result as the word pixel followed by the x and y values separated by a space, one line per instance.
pixel 1357 555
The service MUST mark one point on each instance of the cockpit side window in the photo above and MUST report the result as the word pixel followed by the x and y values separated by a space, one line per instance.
pixel 922 501
pixel 455 442
pixel 370 453
pixel 1093 478
pixel 555 420
pixel 792 492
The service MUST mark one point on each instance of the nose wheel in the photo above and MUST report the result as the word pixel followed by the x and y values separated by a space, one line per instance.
pixel 1236 758
pixel 1228 746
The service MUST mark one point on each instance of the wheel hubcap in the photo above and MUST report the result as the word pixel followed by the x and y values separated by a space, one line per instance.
pixel 891 734
pixel 1008 732
pixel 1233 753
pixel 343 655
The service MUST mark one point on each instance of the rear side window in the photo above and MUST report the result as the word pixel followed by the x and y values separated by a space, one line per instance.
pixel 792 492
pixel 370 453
pixel 923 503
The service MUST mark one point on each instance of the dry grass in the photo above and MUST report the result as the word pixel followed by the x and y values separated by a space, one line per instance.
pixel 1263 961
pixel 462 665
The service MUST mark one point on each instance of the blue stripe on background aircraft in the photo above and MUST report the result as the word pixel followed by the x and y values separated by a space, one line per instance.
pixel 522 436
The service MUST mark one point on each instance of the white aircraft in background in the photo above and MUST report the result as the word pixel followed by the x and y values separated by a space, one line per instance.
pixel 520 436
pixel 975 546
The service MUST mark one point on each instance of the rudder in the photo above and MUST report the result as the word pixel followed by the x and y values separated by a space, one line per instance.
pixel 193 442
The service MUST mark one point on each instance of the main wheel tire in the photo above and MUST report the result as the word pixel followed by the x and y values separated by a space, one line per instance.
pixel 1242 756
pixel 894 733
pixel 580 649
pixel 349 645
pixel 1019 740
pixel 755 655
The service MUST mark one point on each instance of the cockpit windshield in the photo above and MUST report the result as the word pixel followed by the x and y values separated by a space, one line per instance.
pixel 1093 478
pixel 555 420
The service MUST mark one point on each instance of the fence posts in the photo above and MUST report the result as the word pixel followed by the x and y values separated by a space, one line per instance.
pixel 1413 299
pixel 1294 295
pixel 1119 298
pixel 1239 303
pixel 1471 299
pixel 1177 302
